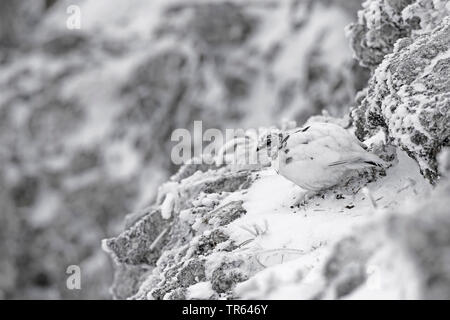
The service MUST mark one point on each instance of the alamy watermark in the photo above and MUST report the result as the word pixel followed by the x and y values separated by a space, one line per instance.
pixel 214 146
pixel 73 281
pixel 73 21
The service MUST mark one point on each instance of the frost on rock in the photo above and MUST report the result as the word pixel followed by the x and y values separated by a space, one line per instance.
pixel 409 97
pixel 382 22
pixel 187 247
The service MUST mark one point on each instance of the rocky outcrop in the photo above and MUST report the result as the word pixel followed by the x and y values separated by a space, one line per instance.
pixel 185 246
pixel 409 97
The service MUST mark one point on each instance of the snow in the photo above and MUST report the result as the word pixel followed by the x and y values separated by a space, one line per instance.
pixel 298 241
pixel 167 206
pixel 201 290
pixel 387 277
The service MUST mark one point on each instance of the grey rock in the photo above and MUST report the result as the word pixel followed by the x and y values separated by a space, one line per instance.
pixel 192 272
pixel 177 294
pixel 137 244
pixel 207 243
pixel 226 214
pixel 226 275
pixel 127 280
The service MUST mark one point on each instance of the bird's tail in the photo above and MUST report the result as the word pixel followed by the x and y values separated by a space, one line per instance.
pixel 374 160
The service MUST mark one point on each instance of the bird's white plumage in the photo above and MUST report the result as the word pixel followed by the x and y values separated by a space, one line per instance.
pixel 322 155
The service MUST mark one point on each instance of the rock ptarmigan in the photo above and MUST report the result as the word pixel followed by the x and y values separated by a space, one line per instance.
pixel 320 156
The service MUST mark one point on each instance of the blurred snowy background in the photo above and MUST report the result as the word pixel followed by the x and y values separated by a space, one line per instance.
pixel 86 114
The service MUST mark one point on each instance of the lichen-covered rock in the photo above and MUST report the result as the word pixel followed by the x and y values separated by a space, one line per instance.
pixel 409 97
pixel 382 22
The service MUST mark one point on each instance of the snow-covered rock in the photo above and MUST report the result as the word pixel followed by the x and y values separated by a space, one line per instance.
pixel 409 97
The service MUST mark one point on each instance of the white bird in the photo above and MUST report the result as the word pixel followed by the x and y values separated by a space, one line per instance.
pixel 320 156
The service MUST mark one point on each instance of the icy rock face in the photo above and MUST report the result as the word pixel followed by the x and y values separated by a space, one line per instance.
pixel 382 22
pixel 187 247
pixel 409 97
